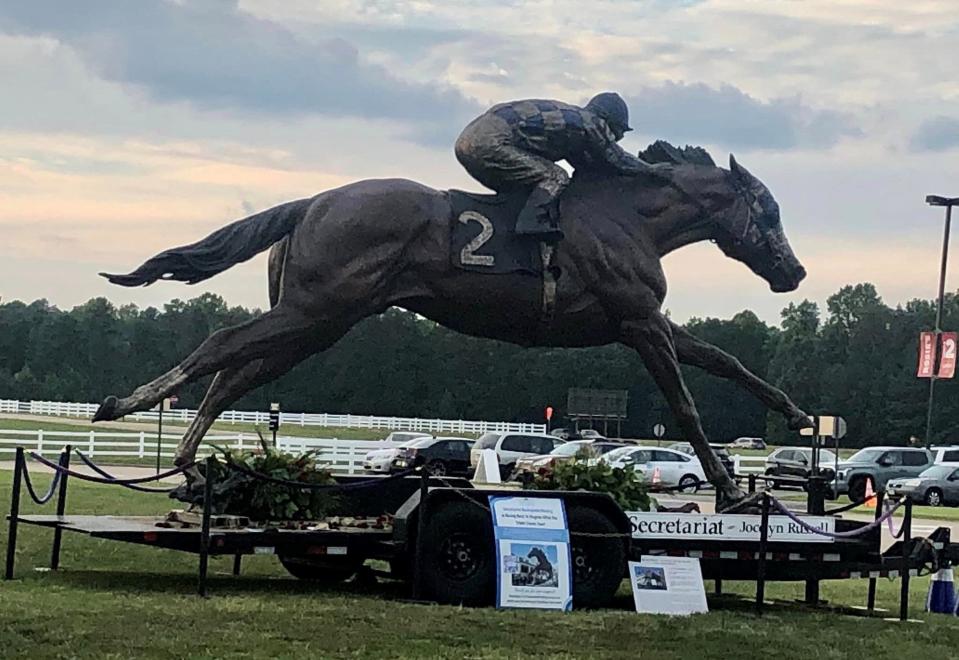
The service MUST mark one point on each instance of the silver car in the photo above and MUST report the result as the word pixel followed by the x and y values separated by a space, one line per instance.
pixel 935 486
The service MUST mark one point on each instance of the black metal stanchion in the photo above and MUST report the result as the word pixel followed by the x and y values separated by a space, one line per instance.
pixel 815 505
pixel 420 532
pixel 61 507
pixel 205 527
pixel 761 565
pixel 719 587
pixel 871 594
pixel 237 558
pixel 904 565
pixel 752 483
pixel 18 467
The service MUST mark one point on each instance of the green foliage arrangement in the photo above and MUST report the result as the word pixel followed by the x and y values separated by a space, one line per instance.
pixel 625 487
pixel 240 494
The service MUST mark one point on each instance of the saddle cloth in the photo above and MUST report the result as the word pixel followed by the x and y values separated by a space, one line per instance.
pixel 482 237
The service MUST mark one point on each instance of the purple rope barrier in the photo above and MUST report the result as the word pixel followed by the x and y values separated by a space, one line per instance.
pixel 836 535
pixel 103 473
pixel 99 480
pixel 902 527
pixel 40 499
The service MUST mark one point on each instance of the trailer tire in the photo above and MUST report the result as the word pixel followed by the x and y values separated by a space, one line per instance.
pixel 458 561
pixel 326 571
pixel 599 562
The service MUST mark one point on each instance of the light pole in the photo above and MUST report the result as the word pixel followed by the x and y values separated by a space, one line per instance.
pixel 948 202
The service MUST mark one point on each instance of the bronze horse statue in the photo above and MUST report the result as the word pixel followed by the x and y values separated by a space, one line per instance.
pixel 355 251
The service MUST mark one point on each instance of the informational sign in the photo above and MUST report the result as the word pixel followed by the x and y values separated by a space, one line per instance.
pixel 668 585
pixel 947 363
pixel 726 527
pixel 549 413
pixel 825 426
pixel 927 355
pixel 532 553
pixel 659 430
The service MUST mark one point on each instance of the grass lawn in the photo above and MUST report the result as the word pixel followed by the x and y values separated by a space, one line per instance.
pixel 119 600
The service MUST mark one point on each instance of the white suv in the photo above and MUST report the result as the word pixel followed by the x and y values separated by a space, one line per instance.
pixel 510 447
pixel 945 454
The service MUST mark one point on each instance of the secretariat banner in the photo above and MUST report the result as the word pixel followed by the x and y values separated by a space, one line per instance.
pixel 723 527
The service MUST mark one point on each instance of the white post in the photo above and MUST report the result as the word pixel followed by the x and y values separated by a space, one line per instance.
pixel 142 443
pixel 90 448
pixel 40 442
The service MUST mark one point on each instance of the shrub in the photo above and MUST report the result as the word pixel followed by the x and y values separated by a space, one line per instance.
pixel 238 493
pixel 624 486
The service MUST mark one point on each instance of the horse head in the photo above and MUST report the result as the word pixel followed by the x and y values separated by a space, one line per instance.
pixel 750 231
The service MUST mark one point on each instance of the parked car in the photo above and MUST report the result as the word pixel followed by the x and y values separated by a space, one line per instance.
pixel 510 447
pixel 591 434
pixel 379 460
pixel 675 467
pixel 440 456
pixel 934 486
pixel 566 452
pixel 945 454
pixel 747 443
pixel 721 452
pixel 797 462
pixel 879 465
pixel 561 433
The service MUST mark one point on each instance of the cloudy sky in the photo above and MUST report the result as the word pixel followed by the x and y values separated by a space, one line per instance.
pixel 129 127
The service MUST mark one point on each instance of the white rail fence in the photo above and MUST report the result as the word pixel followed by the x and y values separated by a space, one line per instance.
pixel 341 456
pixel 65 409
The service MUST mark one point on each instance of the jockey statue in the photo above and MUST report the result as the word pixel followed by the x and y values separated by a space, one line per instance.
pixel 516 145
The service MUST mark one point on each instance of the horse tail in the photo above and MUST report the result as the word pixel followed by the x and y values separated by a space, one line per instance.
pixel 222 249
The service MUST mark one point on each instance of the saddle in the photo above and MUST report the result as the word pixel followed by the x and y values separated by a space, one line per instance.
pixel 483 238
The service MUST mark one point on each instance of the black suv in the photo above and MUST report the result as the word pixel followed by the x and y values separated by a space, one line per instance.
pixel 440 455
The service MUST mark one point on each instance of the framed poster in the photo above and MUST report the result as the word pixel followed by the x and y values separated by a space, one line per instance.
pixel 532 553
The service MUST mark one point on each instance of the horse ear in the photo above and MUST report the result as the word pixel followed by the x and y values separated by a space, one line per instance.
pixel 738 170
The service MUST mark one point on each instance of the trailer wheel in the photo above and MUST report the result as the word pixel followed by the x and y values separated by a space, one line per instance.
pixel 599 562
pixel 327 571
pixel 459 560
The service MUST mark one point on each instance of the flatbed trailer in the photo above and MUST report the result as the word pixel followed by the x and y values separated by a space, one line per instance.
pixel 445 549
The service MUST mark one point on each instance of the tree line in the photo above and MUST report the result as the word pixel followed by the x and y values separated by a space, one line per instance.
pixel 856 358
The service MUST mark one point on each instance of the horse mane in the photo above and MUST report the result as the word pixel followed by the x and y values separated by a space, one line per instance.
pixel 662 151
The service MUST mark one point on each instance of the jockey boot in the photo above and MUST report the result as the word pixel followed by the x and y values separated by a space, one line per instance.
pixel 540 217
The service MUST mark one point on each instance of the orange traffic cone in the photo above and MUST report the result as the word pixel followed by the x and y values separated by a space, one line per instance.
pixel 870 500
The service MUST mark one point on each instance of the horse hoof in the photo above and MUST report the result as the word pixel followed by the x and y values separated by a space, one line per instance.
pixel 107 409
pixel 799 421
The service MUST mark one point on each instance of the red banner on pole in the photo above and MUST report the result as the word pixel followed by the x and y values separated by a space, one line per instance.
pixel 549 413
pixel 947 363
pixel 927 355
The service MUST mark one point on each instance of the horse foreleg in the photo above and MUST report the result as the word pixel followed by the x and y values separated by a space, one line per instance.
pixel 275 331
pixel 653 339
pixel 694 351
pixel 228 386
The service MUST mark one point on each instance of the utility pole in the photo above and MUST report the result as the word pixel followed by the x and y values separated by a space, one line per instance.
pixel 948 202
